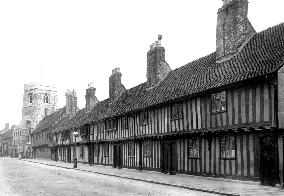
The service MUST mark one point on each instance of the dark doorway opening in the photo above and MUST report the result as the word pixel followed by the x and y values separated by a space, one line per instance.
pixel 91 154
pixel 169 157
pixel 268 161
pixel 69 155
pixel 117 155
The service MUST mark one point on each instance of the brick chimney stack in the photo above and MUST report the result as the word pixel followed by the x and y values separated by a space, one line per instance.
pixel 233 28
pixel 71 102
pixel 115 86
pixel 157 67
pixel 91 99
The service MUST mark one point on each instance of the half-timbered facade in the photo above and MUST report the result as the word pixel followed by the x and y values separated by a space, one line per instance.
pixel 219 116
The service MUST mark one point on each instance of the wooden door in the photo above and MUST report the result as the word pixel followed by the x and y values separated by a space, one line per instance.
pixel 268 161
pixel 91 154
pixel 168 157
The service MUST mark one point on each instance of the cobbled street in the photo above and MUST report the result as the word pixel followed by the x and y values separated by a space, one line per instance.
pixel 23 178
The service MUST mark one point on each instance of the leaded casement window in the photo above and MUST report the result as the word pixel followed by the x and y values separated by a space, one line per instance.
pixel 143 118
pixel 218 102
pixel 30 97
pixel 124 123
pixel 194 148
pixel 228 147
pixel 96 150
pixel 131 149
pixel 147 149
pixel 100 127
pixel 46 98
pixel 111 124
pixel 176 111
pixel 106 150
pixel 81 151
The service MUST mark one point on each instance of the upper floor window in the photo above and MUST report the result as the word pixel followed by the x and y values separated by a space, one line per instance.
pixel 194 148
pixel 143 118
pixel 30 97
pixel 228 147
pixel 100 127
pixel 46 98
pixel 218 102
pixel 124 123
pixel 176 112
pixel 111 124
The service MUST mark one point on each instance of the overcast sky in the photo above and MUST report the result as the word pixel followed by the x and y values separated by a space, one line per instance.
pixel 69 44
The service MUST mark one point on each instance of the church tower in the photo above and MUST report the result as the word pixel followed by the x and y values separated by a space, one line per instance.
pixel 38 101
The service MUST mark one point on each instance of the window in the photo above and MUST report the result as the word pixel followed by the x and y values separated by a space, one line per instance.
pixel 177 112
pixel 111 124
pixel 218 102
pixel 147 149
pixel 100 127
pixel 194 148
pixel 106 150
pixel 143 118
pixel 131 149
pixel 46 98
pixel 82 151
pixel 96 150
pixel 30 97
pixel 124 123
pixel 228 147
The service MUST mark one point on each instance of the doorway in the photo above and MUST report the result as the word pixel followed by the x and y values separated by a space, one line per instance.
pixel 91 154
pixel 117 155
pixel 68 155
pixel 169 157
pixel 268 161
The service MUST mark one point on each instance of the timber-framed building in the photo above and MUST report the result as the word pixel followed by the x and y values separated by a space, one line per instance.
pixel 221 115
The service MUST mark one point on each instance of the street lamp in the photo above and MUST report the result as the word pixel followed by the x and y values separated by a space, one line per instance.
pixel 75 134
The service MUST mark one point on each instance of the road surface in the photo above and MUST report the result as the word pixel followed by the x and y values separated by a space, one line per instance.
pixel 24 178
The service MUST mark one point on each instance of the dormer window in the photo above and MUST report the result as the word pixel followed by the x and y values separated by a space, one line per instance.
pixel 30 97
pixel 218 102
pixel 46 98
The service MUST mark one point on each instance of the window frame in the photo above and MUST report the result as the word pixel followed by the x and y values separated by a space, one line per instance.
pixel 143 118
pixel 106 149
pixel 177 111
pixel 189 146
pixel 124 123
pixel 224 150
pixel 130 151
pixel 147 149
pixel 213 99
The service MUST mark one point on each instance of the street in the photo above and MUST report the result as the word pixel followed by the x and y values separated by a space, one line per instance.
pixel 24 178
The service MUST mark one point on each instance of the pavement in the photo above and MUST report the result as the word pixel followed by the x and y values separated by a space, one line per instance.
pixel 201 184
pixel 23 178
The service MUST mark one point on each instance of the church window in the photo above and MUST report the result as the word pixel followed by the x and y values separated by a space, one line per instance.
pixel 46 98
pixel 30 97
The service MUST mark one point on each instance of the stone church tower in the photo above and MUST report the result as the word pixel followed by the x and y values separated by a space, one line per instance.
pixel 38 101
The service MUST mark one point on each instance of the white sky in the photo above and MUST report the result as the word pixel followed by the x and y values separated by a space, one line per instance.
pixel 69 44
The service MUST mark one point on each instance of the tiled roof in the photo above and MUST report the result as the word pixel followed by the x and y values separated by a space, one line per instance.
pixel 263 54
pixel 50 121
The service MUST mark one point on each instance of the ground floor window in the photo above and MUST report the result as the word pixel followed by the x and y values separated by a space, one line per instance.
pixel 194 148
pixel 147 149
pixel 96 150
pixel 106 150
pixel 81 151
pixel 131 149
pixel 228 147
